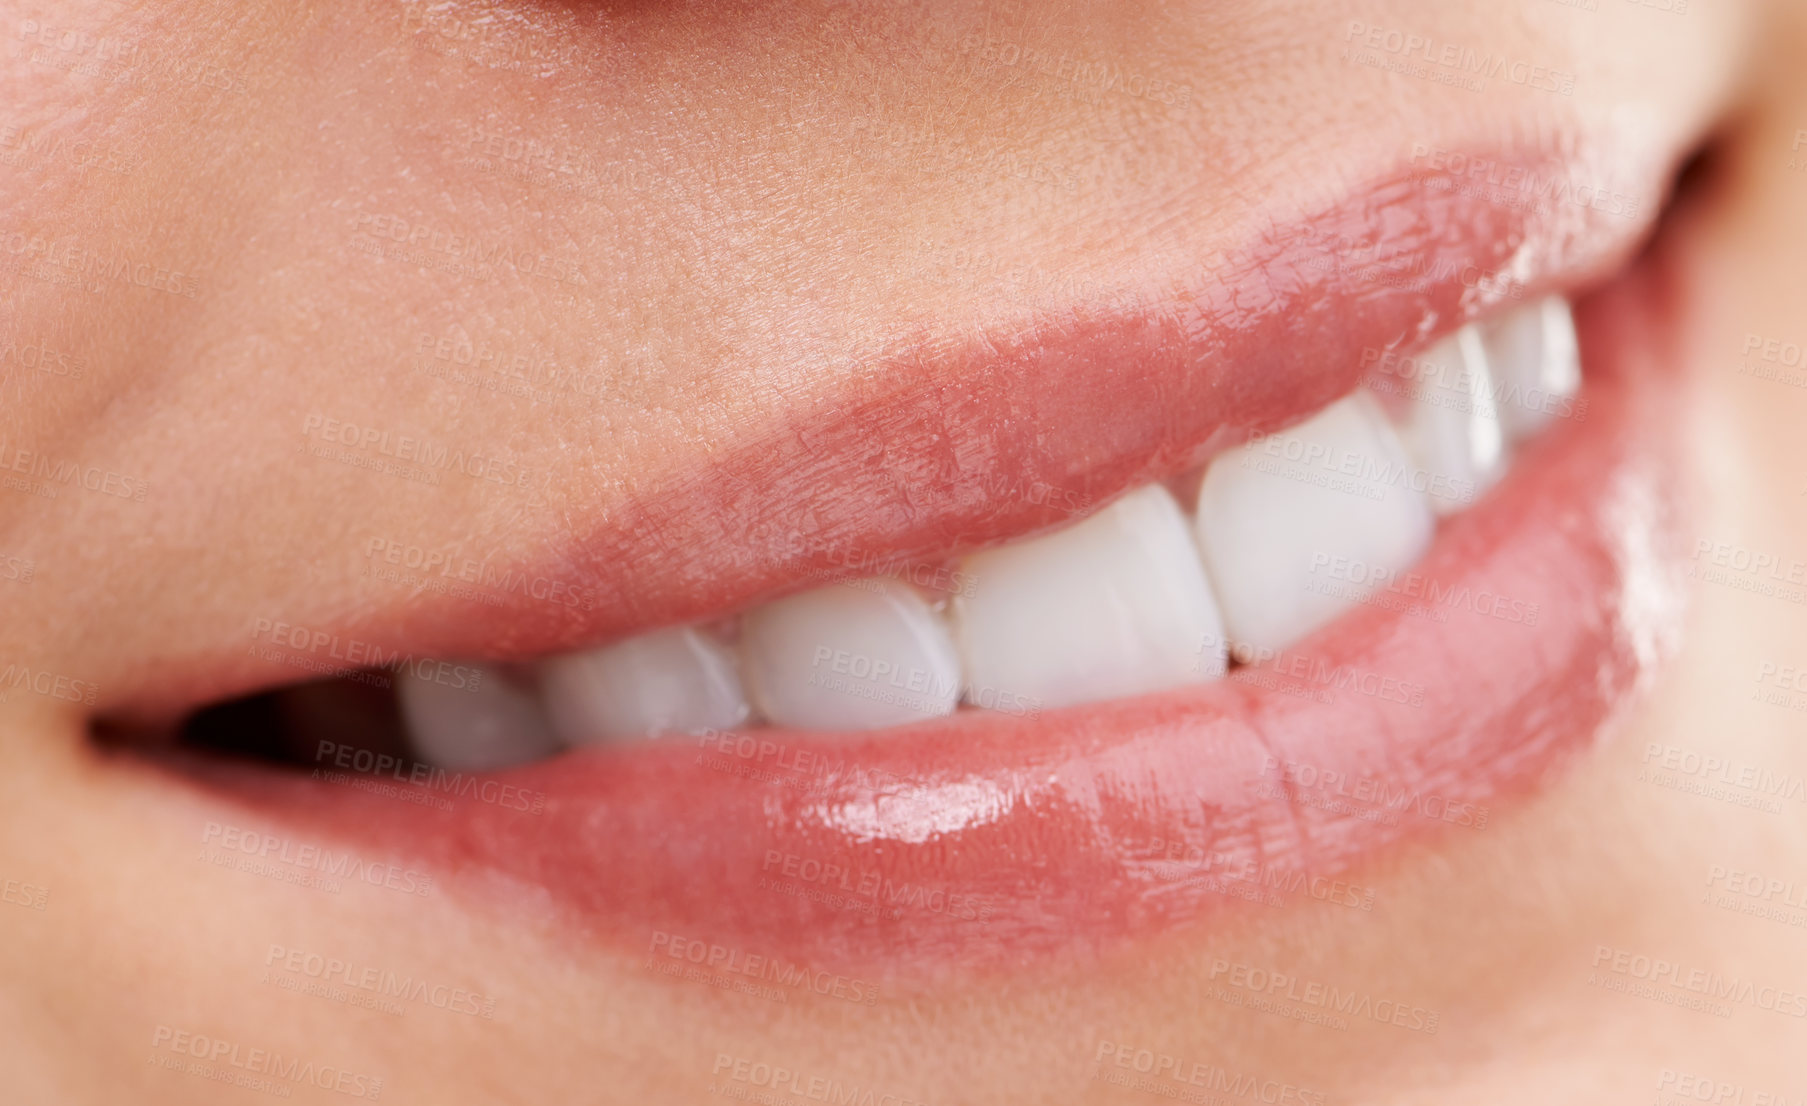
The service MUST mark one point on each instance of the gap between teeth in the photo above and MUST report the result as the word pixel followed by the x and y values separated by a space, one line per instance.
pixel 1285 534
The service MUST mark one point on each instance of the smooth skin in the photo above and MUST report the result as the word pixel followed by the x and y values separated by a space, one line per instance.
pixel 767 197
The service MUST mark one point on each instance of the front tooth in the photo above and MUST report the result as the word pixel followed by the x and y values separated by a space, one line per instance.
pixel 1536 362
pixel 1115 605
pixel 855 656
pixel 1451 427
pixel 1278 516
pixel 471 725
pixel 675 680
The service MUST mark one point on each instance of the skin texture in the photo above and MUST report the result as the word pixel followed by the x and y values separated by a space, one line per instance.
pixel 752 235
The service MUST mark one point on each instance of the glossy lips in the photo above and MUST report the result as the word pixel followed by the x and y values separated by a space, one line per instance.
pixel 988 835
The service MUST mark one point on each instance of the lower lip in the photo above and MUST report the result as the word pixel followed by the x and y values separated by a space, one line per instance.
pixel 987 837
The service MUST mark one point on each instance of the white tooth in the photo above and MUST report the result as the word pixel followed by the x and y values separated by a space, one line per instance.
pixel 1451 427
pixel 1115 605
pixel 1536 362
pixel 675 680
pixel 467 728
pixel 1285 521
pixel 854 656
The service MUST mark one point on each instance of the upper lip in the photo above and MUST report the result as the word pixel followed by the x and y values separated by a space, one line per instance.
pixel 946 448
pixel 1004 834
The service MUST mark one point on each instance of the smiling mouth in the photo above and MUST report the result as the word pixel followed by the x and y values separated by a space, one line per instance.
pixel 1236 562
pixel 1033 648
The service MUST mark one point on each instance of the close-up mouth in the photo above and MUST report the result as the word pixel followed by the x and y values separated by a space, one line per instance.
pixel 960 552
pixel 1028 645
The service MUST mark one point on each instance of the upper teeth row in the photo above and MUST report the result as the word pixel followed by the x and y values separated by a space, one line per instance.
pixel 1135 598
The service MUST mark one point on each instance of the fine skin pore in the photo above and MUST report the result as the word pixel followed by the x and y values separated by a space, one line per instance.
pixel 772 238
